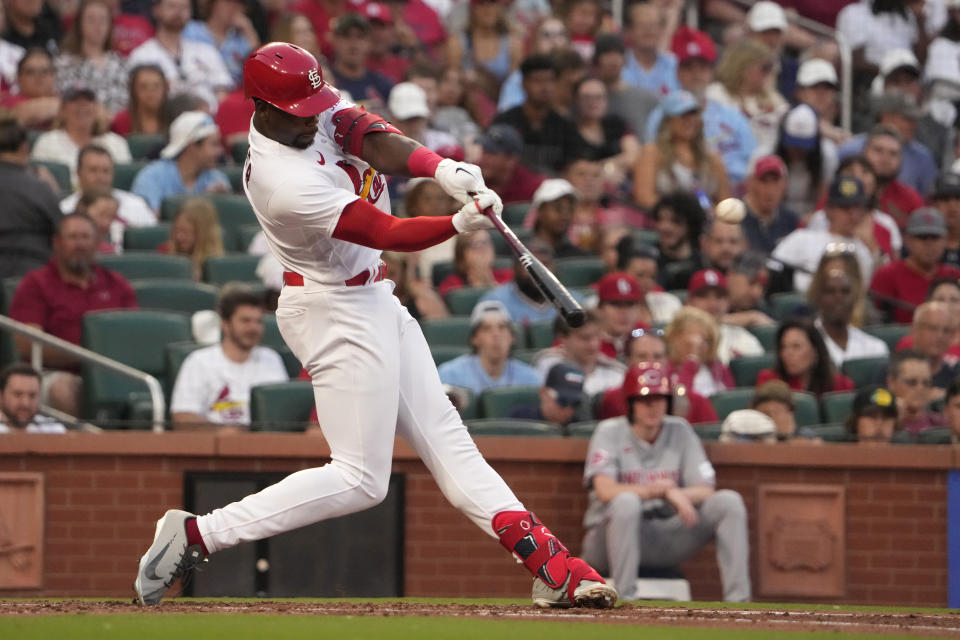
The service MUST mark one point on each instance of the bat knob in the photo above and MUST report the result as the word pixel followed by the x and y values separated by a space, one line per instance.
pixel 575 318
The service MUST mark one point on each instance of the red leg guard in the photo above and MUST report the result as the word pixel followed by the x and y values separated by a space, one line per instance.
pixel 540 551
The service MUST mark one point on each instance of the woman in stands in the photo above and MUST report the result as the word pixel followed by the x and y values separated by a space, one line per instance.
pixel 844 260
pixel 195 234
pixel 488 47
pixel 803 361
pixel 810 158
pixel 473 257
pixel 88 59
pixel 678 160
pixel 691 338
pixel 145 111
pixel 296 28
pixel 424 197
pixel 606 136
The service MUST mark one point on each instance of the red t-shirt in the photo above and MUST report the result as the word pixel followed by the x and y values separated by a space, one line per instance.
pixel 129 32
pixel 522 187
pixel 840 381
pixel 906 342
pixel 899 281
pixel 122 124
pixel 454 281
pixel 44 298
pixel 391 66
pixel 899 201
pixel 426 24
pixel 614 404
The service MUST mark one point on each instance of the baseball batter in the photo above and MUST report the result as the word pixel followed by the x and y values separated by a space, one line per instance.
pixel 314 177
pixel 652 501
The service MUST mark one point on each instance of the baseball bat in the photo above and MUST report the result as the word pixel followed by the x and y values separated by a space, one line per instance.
pixel 565 304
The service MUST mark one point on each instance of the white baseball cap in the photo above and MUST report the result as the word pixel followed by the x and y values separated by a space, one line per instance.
pixel 747 425
pixel 488 310
pixel 408 100
pixel 897 59
pixel 817 71
pixel 552 189
pixel 800 127
pixel 766 15
pixel 189 127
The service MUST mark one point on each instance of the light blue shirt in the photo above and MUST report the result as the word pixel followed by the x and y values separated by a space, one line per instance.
pixel 161 178
pixel 512 93
pixel 466 371
pixel 522 309
pixel 662 79
pixel 917 168
pixel 234 49
pixel 727 132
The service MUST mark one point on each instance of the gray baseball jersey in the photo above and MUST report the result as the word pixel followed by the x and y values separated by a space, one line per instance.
pixel 615 451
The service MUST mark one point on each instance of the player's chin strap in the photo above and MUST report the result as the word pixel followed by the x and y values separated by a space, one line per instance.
pixel 351 125
pixel 539 550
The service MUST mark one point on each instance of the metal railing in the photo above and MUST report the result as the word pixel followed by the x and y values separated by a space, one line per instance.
pixel 39 339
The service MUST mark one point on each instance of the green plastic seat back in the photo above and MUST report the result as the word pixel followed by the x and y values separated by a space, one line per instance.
pixel 443 352
pixel 863 371
pixel 184 296
pixel 60 172
pixel 461 301
pixel 806 411
pixel 579 271
pixel 281 406
pixel 708 432
pixel 500 402
pixel 837 405
pixel 513 427
pixel 515 213
pixel 832 432
pixel 767 335
pixel 583 429
pixel 143 145
pixel 786 304
pixel 891 334
pixel 124 173
pixel 746 368
pixel 453 331
pixel 174 353
pixel 146 238
pixel 731 400
pixel 540 334
pixel 241 267
pixel 148 265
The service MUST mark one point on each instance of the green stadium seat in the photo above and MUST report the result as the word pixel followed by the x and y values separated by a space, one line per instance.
pixel 235 175
pixel 540 334
pixel 500 402
pixel 513 427
pixel 125 172
pixel 443 352
pixel 174 295
pixel 525 356
pixel 245 235
pixel 146 238
pixel 281 406
pixel 134 337
pixel 234 212
pixel 934 436
pixel 61 174
pixel 461 301
pixel 889 333
pixel 8 347
pixel 837 405
pixel 583 429
pixel 863 371
pixel 440 271
pixel 731 400
pixel 579 271
pixel 708 432
pixel 649 237
pixel 220 270
pixel 239 151
pixel 903 437
pixel 681 294
pixel 171 204
pixel 453 331
pixel 500 246
pixel 143 145
pixel 806 409
pixel 746 368
pixel 145 265
pixel 786 304
pixel 833 432
pixel 174 353
pixel 9 287
pixel 515 213
pixel 767 336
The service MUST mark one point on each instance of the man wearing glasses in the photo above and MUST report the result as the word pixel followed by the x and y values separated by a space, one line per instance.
pixel 932 332
pixel 911 382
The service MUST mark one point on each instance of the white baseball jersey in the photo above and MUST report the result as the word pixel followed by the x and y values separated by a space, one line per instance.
pixel 298 196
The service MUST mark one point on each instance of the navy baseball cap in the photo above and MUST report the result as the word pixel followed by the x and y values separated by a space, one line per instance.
pixel 567 382
pixel 947 186
pixel 502 138
pixel 847 191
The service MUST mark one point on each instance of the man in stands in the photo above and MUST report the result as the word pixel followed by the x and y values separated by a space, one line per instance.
pixel 554 201
pixel 911 382
pixel 95 172
pixel 30 211
pixel 187 165
pixel 352 42
pixel 932 331
pixel 213 384
pixel 500 164
pixel 708 292
pixel 619 307
pixel 521 298
pixel 581 347
pixel 55 297
pixel 190 66
pixel 747 283
pixel 560 396
pixel 647 67
pixel 946 200
pixel 489 364
pixel 767 220
pixel 899 287
pixel 20 402
pixel 883 149
pixel 625 100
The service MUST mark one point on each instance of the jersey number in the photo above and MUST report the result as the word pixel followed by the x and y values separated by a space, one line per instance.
pixel 369 185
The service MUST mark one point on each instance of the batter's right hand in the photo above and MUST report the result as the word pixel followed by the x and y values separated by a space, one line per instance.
pixel 459 179
pixel 471 216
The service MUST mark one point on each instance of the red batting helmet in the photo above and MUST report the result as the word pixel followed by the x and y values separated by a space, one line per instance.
pixel 646 379
pixel 289 78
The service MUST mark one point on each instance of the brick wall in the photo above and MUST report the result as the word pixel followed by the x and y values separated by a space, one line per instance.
pixel 105 492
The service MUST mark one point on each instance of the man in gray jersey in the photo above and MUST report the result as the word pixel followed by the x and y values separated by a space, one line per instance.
pixel 652 496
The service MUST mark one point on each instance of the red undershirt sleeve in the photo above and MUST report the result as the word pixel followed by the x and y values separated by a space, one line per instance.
pixel 364 224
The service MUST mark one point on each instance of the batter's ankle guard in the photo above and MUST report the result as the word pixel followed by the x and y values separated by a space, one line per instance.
pixel 539 550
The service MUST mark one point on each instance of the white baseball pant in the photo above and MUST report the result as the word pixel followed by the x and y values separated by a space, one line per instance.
pixel 373 377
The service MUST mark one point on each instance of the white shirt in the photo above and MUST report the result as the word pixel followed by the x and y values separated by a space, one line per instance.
pixel 133 212
pixel 860 344
pixel 877 34
pixel 819 221
pixel 804 247
pixel 298 196
pixel 10 55
pixel 199 70
pixel 39 424
pixel 764 117
pixel 663 306
pixel 608 374
pixel 736 341
pixel 57 146
pixel 217 388
pixel 943 61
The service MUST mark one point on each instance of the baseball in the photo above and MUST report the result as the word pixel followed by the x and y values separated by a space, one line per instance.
pixel 731 210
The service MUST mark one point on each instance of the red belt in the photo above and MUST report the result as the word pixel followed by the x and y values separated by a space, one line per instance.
pixel 296 280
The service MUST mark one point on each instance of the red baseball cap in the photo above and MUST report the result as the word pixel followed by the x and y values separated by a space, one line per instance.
pixel 706 278
pixel 690 43
pixel 770 164
pixel 619 287
pixel 376 12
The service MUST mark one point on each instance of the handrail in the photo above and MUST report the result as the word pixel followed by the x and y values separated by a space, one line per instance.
pixel 692 13
pixel 38 339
